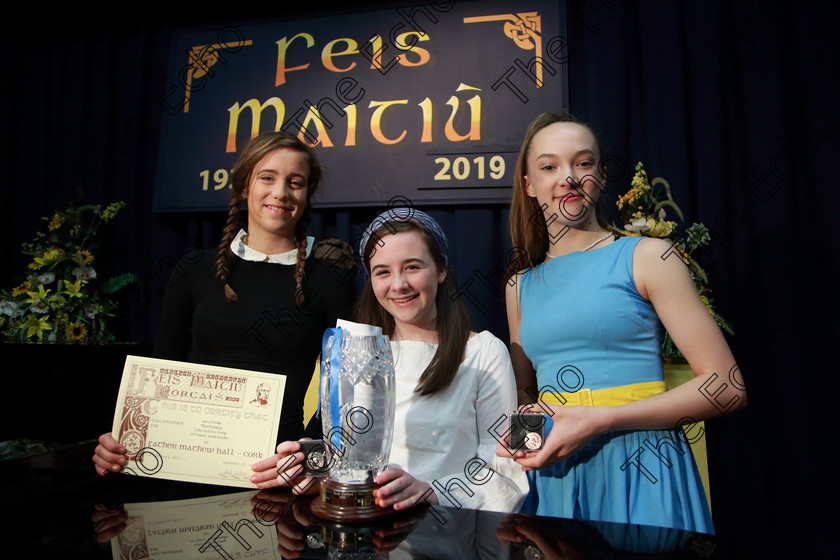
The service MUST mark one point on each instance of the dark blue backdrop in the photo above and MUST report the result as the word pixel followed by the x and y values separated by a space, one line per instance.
pixel 733 101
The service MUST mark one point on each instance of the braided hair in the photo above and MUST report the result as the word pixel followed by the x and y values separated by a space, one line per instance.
pixel 254 152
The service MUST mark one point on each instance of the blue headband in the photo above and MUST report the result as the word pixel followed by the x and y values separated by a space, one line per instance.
pixel 406 215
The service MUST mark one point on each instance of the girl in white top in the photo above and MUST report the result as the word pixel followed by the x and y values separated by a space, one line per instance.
pixel 454 387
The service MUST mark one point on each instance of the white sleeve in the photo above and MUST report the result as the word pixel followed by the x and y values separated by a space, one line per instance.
pixel 496 483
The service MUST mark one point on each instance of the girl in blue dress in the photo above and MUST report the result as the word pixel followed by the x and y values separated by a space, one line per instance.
pixel 586 312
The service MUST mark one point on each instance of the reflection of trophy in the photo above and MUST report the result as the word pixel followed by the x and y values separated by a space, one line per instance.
pixel 369 540
pixel 357 386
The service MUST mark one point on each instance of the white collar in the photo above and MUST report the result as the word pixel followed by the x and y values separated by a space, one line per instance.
pixel 241 250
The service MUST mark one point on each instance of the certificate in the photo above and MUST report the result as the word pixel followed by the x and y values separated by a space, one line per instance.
pixel 196 423
pixel 197 528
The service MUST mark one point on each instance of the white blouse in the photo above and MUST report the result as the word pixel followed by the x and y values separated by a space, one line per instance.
pixel 446 439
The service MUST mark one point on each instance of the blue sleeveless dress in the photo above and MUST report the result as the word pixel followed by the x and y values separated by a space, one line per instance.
pixel 584 325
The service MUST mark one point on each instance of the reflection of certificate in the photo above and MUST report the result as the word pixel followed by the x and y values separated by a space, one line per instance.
pixel 196 423
pixel 197 528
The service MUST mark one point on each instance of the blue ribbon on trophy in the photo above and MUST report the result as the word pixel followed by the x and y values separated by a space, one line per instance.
pixel 331 364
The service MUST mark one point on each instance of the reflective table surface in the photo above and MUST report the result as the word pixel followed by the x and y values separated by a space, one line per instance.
pixel 55 507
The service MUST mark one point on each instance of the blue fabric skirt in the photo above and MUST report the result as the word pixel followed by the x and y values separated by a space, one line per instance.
pixel 644 477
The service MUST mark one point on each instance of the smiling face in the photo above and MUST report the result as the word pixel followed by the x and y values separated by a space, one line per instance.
pixel 276 197
pixel 405 278
pixel 562 173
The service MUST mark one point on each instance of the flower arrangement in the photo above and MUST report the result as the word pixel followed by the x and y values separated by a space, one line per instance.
pixel 62 299
pixel 643 211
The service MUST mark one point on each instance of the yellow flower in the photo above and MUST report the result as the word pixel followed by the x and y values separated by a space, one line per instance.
pixel 83 257
pixel 640 179
pixel 49 257
pixel 76 331
pixel 72 289
pixel 40 295
pixel 20 290
pixel 639 189
pixel 661 228
pixel 631 196
pixel 56 222
pixel 111 211
pixel 36 326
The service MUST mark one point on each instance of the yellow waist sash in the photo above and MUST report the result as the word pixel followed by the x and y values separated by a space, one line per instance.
pixel 612 396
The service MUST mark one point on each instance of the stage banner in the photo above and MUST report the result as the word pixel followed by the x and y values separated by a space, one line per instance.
pixel 427 102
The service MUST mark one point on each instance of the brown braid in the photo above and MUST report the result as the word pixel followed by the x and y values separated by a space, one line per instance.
pixel 299 271
pixel 224 254
pixel 300 234
pixel 258 148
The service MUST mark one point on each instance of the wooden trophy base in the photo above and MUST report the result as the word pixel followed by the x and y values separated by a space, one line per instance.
pixel 348 503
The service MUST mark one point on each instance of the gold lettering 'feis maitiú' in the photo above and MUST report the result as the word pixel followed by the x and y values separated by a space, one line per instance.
pixel 345 53
pixel 314 124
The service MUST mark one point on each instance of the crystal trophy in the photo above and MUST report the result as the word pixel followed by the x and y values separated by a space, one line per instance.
pixel 357 402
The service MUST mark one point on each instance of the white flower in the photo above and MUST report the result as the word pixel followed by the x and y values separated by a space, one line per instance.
pixel 45 278
pixel 9 308
pixel 40 306
pixel 638 224
pixel 91 311
pixel 84 273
